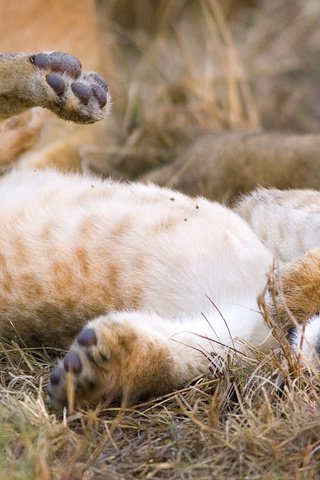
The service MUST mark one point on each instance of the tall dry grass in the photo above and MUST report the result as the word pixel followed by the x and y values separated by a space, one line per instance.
pixel 172 81
pixel 184 67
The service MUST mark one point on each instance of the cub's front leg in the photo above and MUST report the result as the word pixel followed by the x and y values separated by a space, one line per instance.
pixel 54 81
pixel 127 356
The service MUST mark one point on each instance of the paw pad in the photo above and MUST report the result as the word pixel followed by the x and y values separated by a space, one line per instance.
pixel 66 90
pixel 79 362
pixel 100 95
pixel 56 82
pixel 87 337
pixel 81 91
pixel 58 62
pixel 72 362
pixel 99 80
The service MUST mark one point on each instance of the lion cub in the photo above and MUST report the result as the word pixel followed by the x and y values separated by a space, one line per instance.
pixel 165 281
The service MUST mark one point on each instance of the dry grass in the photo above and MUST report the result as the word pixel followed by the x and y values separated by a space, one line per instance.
pixel 256 417
pixel 182 77
pixel 260 420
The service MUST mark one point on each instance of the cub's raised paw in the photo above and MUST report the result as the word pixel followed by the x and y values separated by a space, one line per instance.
pixel 69 92
pixel 54 81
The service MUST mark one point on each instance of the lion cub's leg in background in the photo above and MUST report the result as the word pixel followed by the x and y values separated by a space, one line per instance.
pixel 59 25
pixel 288 223
pixel 221 166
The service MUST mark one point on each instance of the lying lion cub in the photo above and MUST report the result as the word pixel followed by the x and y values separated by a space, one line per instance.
pixel 165 281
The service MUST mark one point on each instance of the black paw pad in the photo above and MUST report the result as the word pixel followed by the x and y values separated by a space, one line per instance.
pixel 56 82
pixel 58 62
pixel 100 94
pixel 72 362
pixel 55 376
pixel 99 80
pixel 81 91
pixel 87 337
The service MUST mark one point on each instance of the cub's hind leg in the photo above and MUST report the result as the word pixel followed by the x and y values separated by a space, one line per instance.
pixel 128 356
pixel 132 355
pixel 54 81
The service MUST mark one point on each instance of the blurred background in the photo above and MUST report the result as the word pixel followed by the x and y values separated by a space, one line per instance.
pixel 180 67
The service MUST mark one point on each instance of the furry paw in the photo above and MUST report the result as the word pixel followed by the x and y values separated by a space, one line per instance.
pixel 66 90
pixel 112 360
pixel 98 364
pixel 87 371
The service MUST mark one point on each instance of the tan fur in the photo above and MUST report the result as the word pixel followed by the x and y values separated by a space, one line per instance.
pixel 297 293
pixel 130 365
pixel 154 261
pixel 18 135
pixel 224 165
